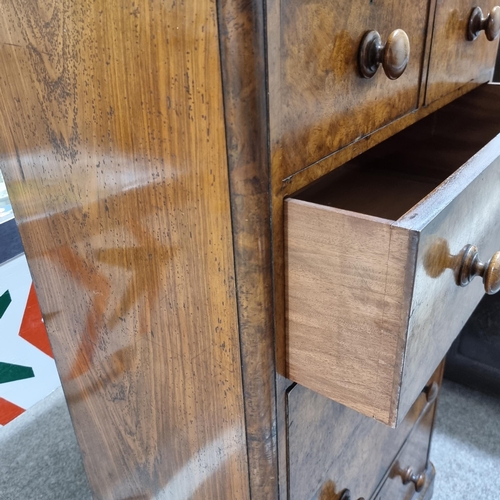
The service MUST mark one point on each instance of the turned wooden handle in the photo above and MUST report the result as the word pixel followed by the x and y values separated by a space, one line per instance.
pixel 417 479
pixel 393 56
pixel 469 266
pixel 431 392
pixel 346 495
pixel 490 24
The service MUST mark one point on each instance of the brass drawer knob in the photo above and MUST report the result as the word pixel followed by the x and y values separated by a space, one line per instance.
pixel 469 266
pixel 393 56
pixel 410 477
pixel 490 24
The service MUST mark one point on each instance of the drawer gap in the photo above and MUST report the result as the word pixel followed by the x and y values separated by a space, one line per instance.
pixel 391 178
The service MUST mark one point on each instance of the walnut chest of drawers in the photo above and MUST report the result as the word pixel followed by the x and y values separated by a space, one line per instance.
pixel 254 230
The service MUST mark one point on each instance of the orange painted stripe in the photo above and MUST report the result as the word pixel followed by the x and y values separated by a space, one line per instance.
pixel 32 328
pixel 9 411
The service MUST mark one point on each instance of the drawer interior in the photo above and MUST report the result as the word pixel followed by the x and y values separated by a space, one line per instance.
pixel 391 178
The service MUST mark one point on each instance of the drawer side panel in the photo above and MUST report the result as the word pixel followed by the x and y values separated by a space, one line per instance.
pixel 349 283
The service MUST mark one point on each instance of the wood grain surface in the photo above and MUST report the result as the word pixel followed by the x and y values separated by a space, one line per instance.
pixel 350 274
pixel 282 187
pixel 324 103
pixel 415 455
pixel 283 184
pixel 112 145
pixel 454 60
pixel 244 85
pixel 333 448
pixel 349 286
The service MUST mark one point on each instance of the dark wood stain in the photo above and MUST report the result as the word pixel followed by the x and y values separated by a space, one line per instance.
pixel 244 86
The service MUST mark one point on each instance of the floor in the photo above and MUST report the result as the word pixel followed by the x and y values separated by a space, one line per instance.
pixel 40 460
pixel 466 445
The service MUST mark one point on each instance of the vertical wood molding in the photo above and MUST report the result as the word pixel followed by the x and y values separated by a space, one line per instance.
pixel 241 26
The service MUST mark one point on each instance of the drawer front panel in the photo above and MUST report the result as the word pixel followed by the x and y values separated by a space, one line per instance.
pixel 332 448
pixel 456 61
pixel 440 308
pixel 414 456
pixel 325 103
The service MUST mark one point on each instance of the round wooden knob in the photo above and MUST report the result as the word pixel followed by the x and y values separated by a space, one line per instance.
pixel 417 479
pixel 431 392
pixel 346 495
pixel 393 56
pixel 490 24
pixel 469 266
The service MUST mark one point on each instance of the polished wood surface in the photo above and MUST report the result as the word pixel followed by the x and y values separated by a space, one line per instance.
pixel 351 275
pixel 322 101
pixel 469 266
pixel 393 55
pixel 478 22
pixel 282 187
pixel 112 145
pixel 469 206
pixel 242 40
pixel 113 141
pixel 333 448
pixel 456 61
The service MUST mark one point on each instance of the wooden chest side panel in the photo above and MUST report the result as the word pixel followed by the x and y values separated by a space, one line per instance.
pixel 348 286
pixel 112 144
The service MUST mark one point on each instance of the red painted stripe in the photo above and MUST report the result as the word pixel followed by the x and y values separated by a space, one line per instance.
pixel 32 328
pixel 9 411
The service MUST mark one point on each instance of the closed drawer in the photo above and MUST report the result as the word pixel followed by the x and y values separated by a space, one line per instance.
pixel 333 448
pixel 324 102
pixel 373 252
pixel 455 60
pixel 411 475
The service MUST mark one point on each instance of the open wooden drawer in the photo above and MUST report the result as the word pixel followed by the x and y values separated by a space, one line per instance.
pixel 374 252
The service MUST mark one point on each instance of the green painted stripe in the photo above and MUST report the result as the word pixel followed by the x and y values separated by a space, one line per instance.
pixel 5 301
pixel 10 373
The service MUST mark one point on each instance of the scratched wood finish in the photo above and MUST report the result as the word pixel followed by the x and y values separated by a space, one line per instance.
pixel 244 85
pixel 112 145
pixel 333 448
pixel 324 102
pixel 352 276
pixel 454 60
